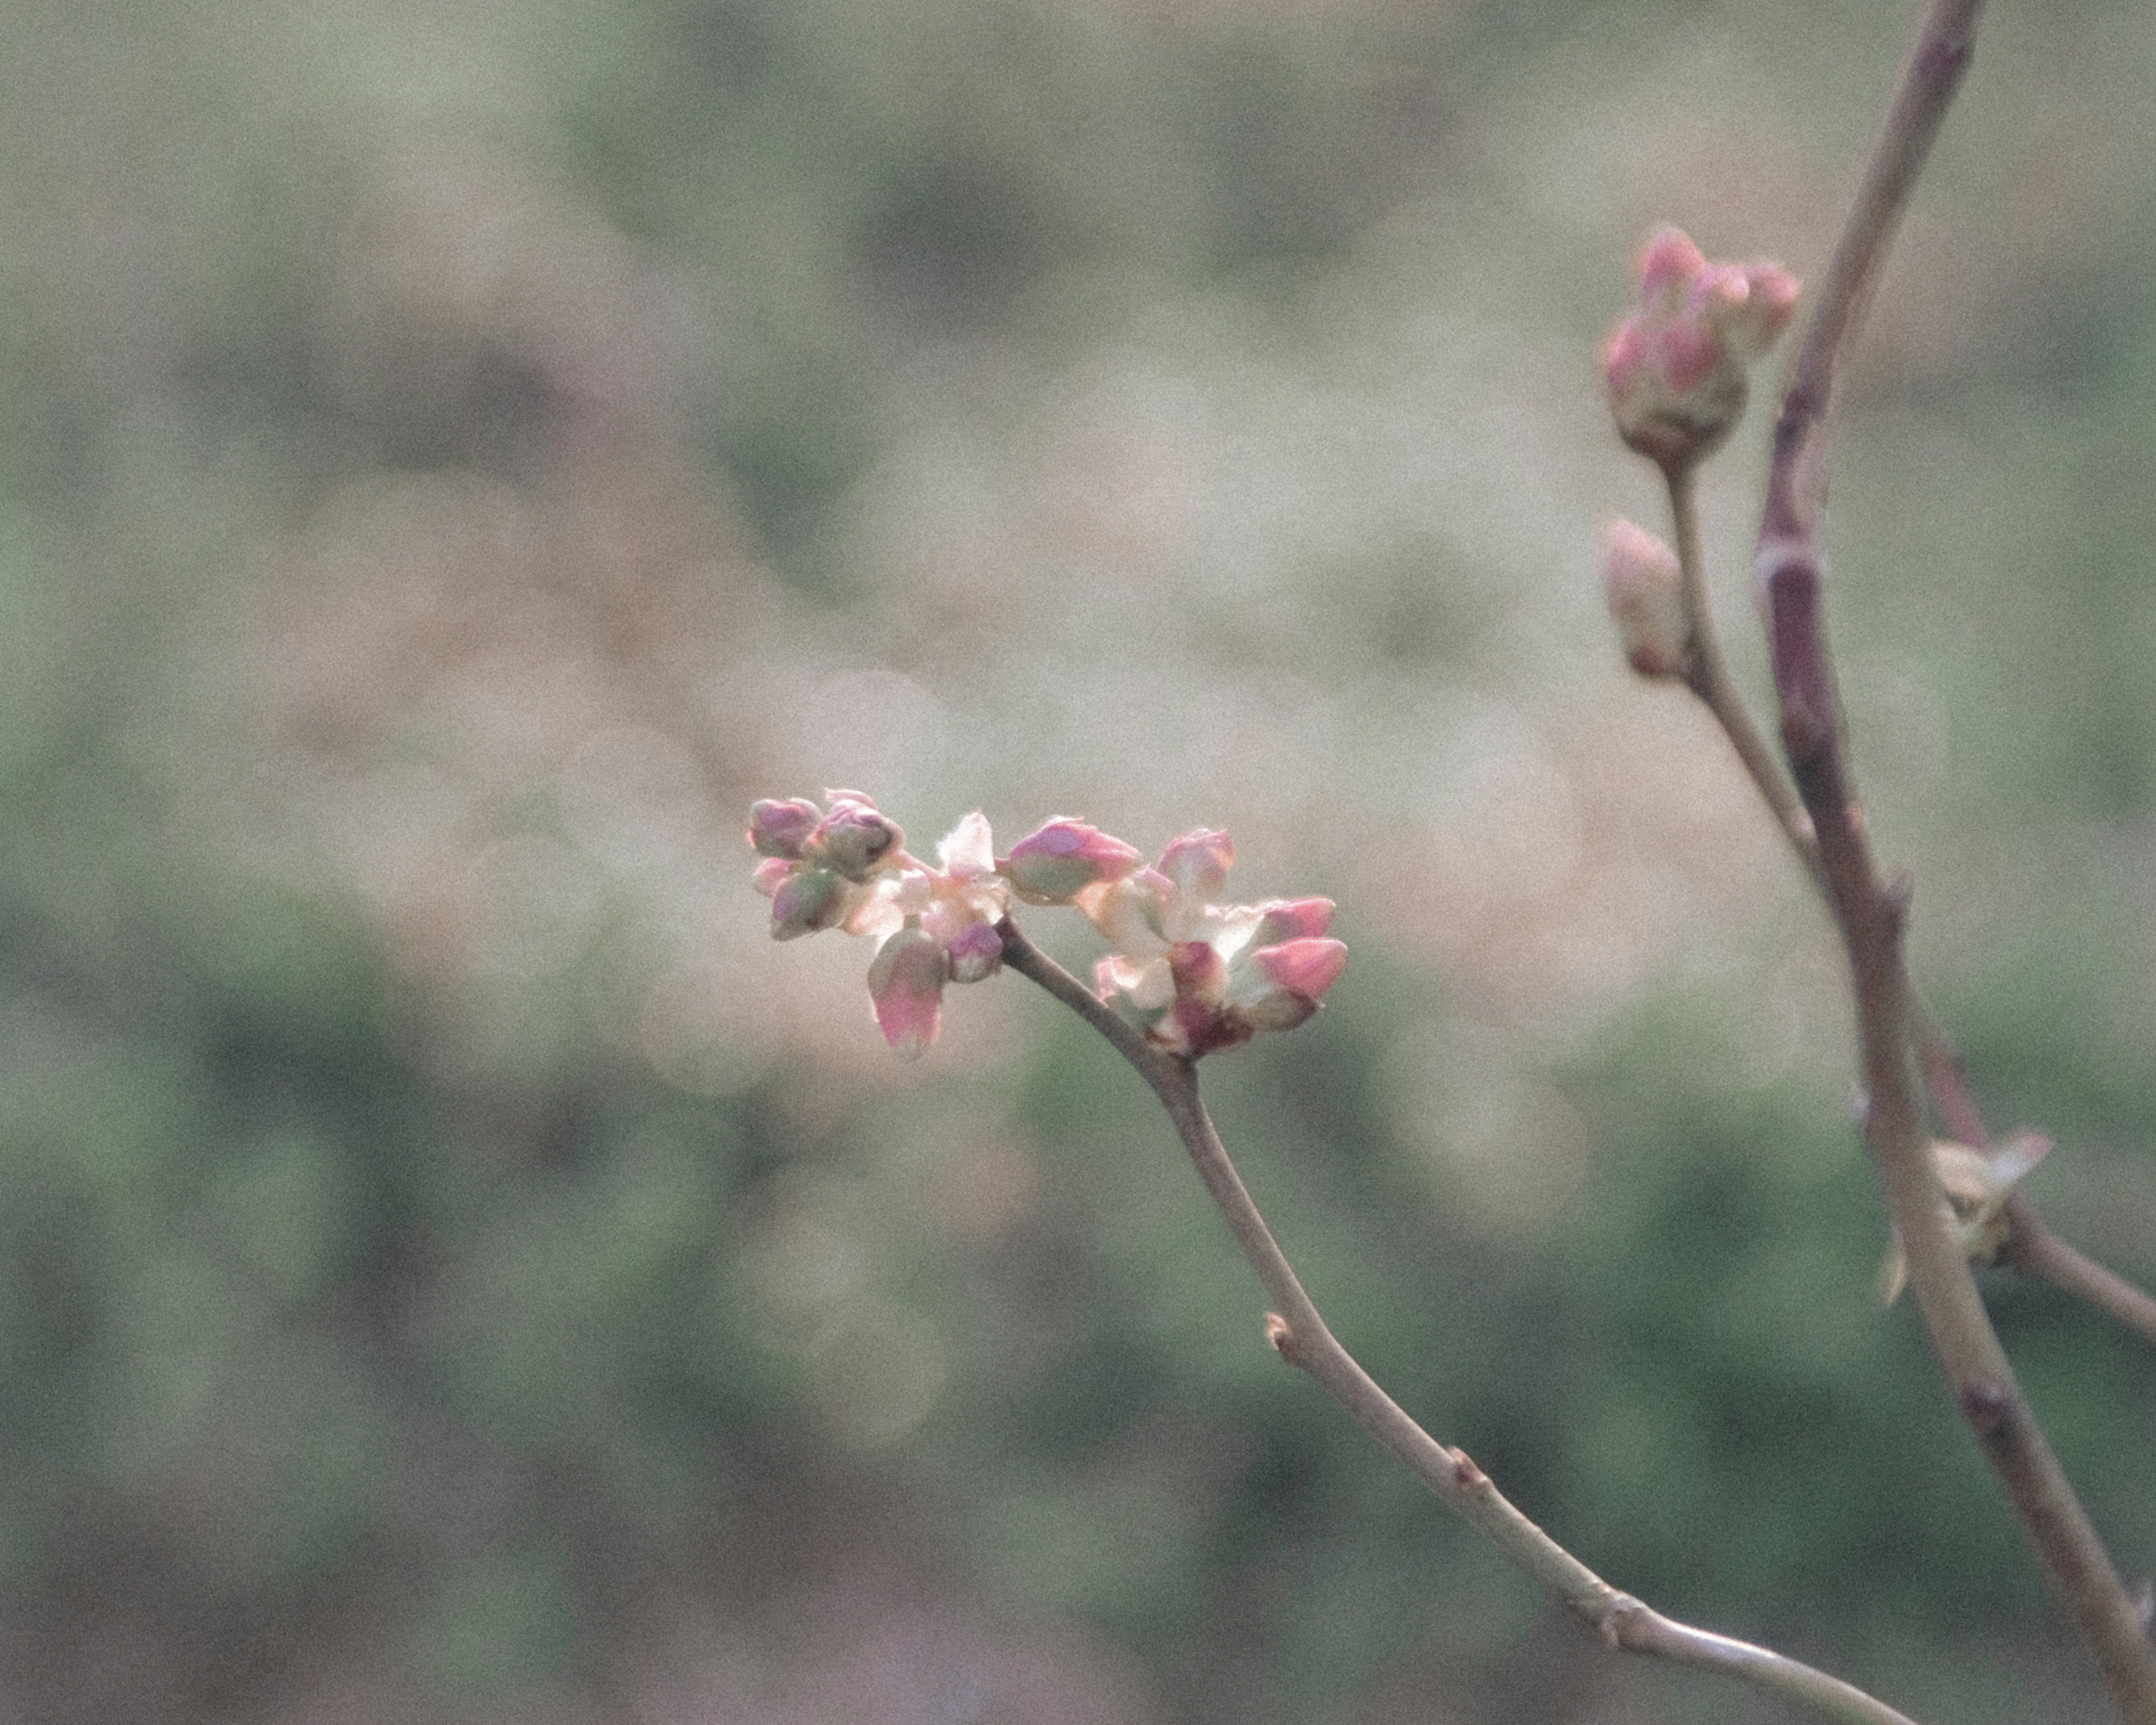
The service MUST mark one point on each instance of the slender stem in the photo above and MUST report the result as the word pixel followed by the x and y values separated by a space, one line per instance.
pixel 1707 675
pixel 1945 43
pixel 1872 913
pixel 2033 1249
pixel 1299 1333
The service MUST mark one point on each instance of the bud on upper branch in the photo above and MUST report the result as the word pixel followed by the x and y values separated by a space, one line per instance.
pixel 1676 367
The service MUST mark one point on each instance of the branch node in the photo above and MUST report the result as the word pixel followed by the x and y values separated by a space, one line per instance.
pixel 1280 1337
pixel 1618 1616
pixel 1465 1474
pixel 1988 1408
pixel 1946 59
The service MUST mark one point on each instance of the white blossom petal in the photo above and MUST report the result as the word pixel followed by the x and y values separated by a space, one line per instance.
pixel 967 851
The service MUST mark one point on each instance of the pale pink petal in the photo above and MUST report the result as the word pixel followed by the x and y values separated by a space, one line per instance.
pixel 1128 912
pixel 905 985
pixel 1307 967
pixel 1285 919
pixel 1198 864
pixel 853 837
pixel 1669 263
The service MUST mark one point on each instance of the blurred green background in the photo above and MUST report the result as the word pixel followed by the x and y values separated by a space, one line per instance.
pixel 454 1267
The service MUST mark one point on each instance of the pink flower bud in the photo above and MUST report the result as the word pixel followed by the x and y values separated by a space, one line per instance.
pixel 771 874
pixel 906 984
pixel 1287 919
pixel 1198 865
pixel 854 837
pixel 1644 587
pixel 806 901
pixel 1675 369
pixel 780 829
pixel 1669 263
pixel 975 952
pixel 1281 986
pixel 1308 967
pixel 1053 865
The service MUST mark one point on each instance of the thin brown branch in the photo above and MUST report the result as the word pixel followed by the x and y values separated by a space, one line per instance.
pixel 1707 675
pixel 2034 1250
pixel 1872 913
pixel 1945 43
pixel 1299 1333
pixel 2031 1247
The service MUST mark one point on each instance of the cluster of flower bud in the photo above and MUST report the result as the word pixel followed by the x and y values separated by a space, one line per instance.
pixel 1675 366
pixel 1199 974
pixel 1205 975
pixel 848 867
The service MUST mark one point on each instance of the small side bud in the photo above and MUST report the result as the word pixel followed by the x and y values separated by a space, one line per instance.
pixel 780 828
pixel 1055 864
pixel 905 985
pixel 806 901
pixel 1978 1184
pixel 1644 587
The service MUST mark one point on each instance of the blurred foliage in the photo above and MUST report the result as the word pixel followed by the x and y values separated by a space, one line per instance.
pixel 452 458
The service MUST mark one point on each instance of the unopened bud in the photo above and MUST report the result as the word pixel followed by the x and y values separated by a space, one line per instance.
pixel 806 901
pixel 854 837
pixel 1198 864
pixel 1644 584
pixel 1287 919
pixel 975 952
pixel 778 828
pixel 1280 986
pixel 906 984
pixel 1675 369
pixel 1055 864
